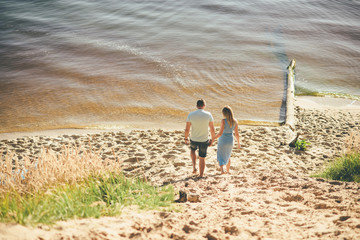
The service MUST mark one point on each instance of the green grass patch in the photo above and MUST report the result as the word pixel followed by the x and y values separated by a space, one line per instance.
pixel 346 168
pixel 301 145
pixel 104 195
pixel 300 91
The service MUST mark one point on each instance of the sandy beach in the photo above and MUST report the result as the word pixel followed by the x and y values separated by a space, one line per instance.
pixel 268 195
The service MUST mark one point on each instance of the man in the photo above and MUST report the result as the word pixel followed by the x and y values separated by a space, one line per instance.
pixel 199 121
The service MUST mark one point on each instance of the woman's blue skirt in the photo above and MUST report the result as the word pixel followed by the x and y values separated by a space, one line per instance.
pixel 225 146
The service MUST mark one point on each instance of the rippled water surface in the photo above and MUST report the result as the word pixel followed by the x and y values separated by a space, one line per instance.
pixel 113 64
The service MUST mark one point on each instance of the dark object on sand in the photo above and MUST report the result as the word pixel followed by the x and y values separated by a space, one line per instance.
pixel 182 197
pixel 193 197
pixel 293 142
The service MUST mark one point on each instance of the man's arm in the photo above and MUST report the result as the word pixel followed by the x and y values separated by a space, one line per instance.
pixel 212 132
pixel 187 131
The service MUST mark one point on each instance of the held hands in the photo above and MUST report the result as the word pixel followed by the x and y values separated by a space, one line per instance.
pixel 211 142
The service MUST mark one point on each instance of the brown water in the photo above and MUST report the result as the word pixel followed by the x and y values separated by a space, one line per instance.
pixel 115 64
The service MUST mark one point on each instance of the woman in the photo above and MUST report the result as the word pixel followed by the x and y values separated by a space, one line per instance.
pixel 226 140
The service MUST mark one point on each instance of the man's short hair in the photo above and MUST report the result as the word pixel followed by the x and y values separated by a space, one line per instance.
pixel 200 103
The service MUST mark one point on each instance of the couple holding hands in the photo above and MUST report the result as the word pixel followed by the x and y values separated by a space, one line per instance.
pixel 199 122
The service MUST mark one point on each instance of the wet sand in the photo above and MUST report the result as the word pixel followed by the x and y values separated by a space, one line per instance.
pixel 268 195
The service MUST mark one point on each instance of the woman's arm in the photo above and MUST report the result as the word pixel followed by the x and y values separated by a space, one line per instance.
pixel 221 129
pixel 237 134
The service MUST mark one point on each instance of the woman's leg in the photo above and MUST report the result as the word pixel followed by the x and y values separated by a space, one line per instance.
pixel 228 167
pixel 220 157
pixel 222 169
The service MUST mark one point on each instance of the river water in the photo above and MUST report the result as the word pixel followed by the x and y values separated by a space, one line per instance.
pixel 119 64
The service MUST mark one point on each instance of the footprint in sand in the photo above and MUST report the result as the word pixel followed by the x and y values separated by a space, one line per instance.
pixel 232 230
pixel 293 198
pixel 169 156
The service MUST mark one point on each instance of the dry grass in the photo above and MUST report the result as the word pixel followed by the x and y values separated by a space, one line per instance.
pixel 74 183
pixel 352 143
pixel 50 168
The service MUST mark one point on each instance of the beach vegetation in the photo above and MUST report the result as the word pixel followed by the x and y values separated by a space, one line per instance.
pixel 347 167
pixel 69 185
pixel 352 143
pixel 301 145
pixel 301 91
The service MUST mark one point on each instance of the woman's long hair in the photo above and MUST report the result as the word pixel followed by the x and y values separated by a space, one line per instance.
pixel 228 113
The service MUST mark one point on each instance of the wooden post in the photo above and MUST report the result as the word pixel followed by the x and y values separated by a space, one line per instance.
pixel 290 95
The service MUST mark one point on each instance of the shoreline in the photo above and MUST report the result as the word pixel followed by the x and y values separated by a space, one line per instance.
pixel 268 195
pixel 306 102
pixel 133 144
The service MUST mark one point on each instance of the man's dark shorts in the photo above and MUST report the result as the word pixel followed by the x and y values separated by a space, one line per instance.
pixel 202 147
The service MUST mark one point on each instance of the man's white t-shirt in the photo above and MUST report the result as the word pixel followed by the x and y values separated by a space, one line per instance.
pixel 199 120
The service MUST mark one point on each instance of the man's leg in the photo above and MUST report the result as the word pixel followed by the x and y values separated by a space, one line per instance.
pixel 193 159
pixel 202 155
pixel 201 165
